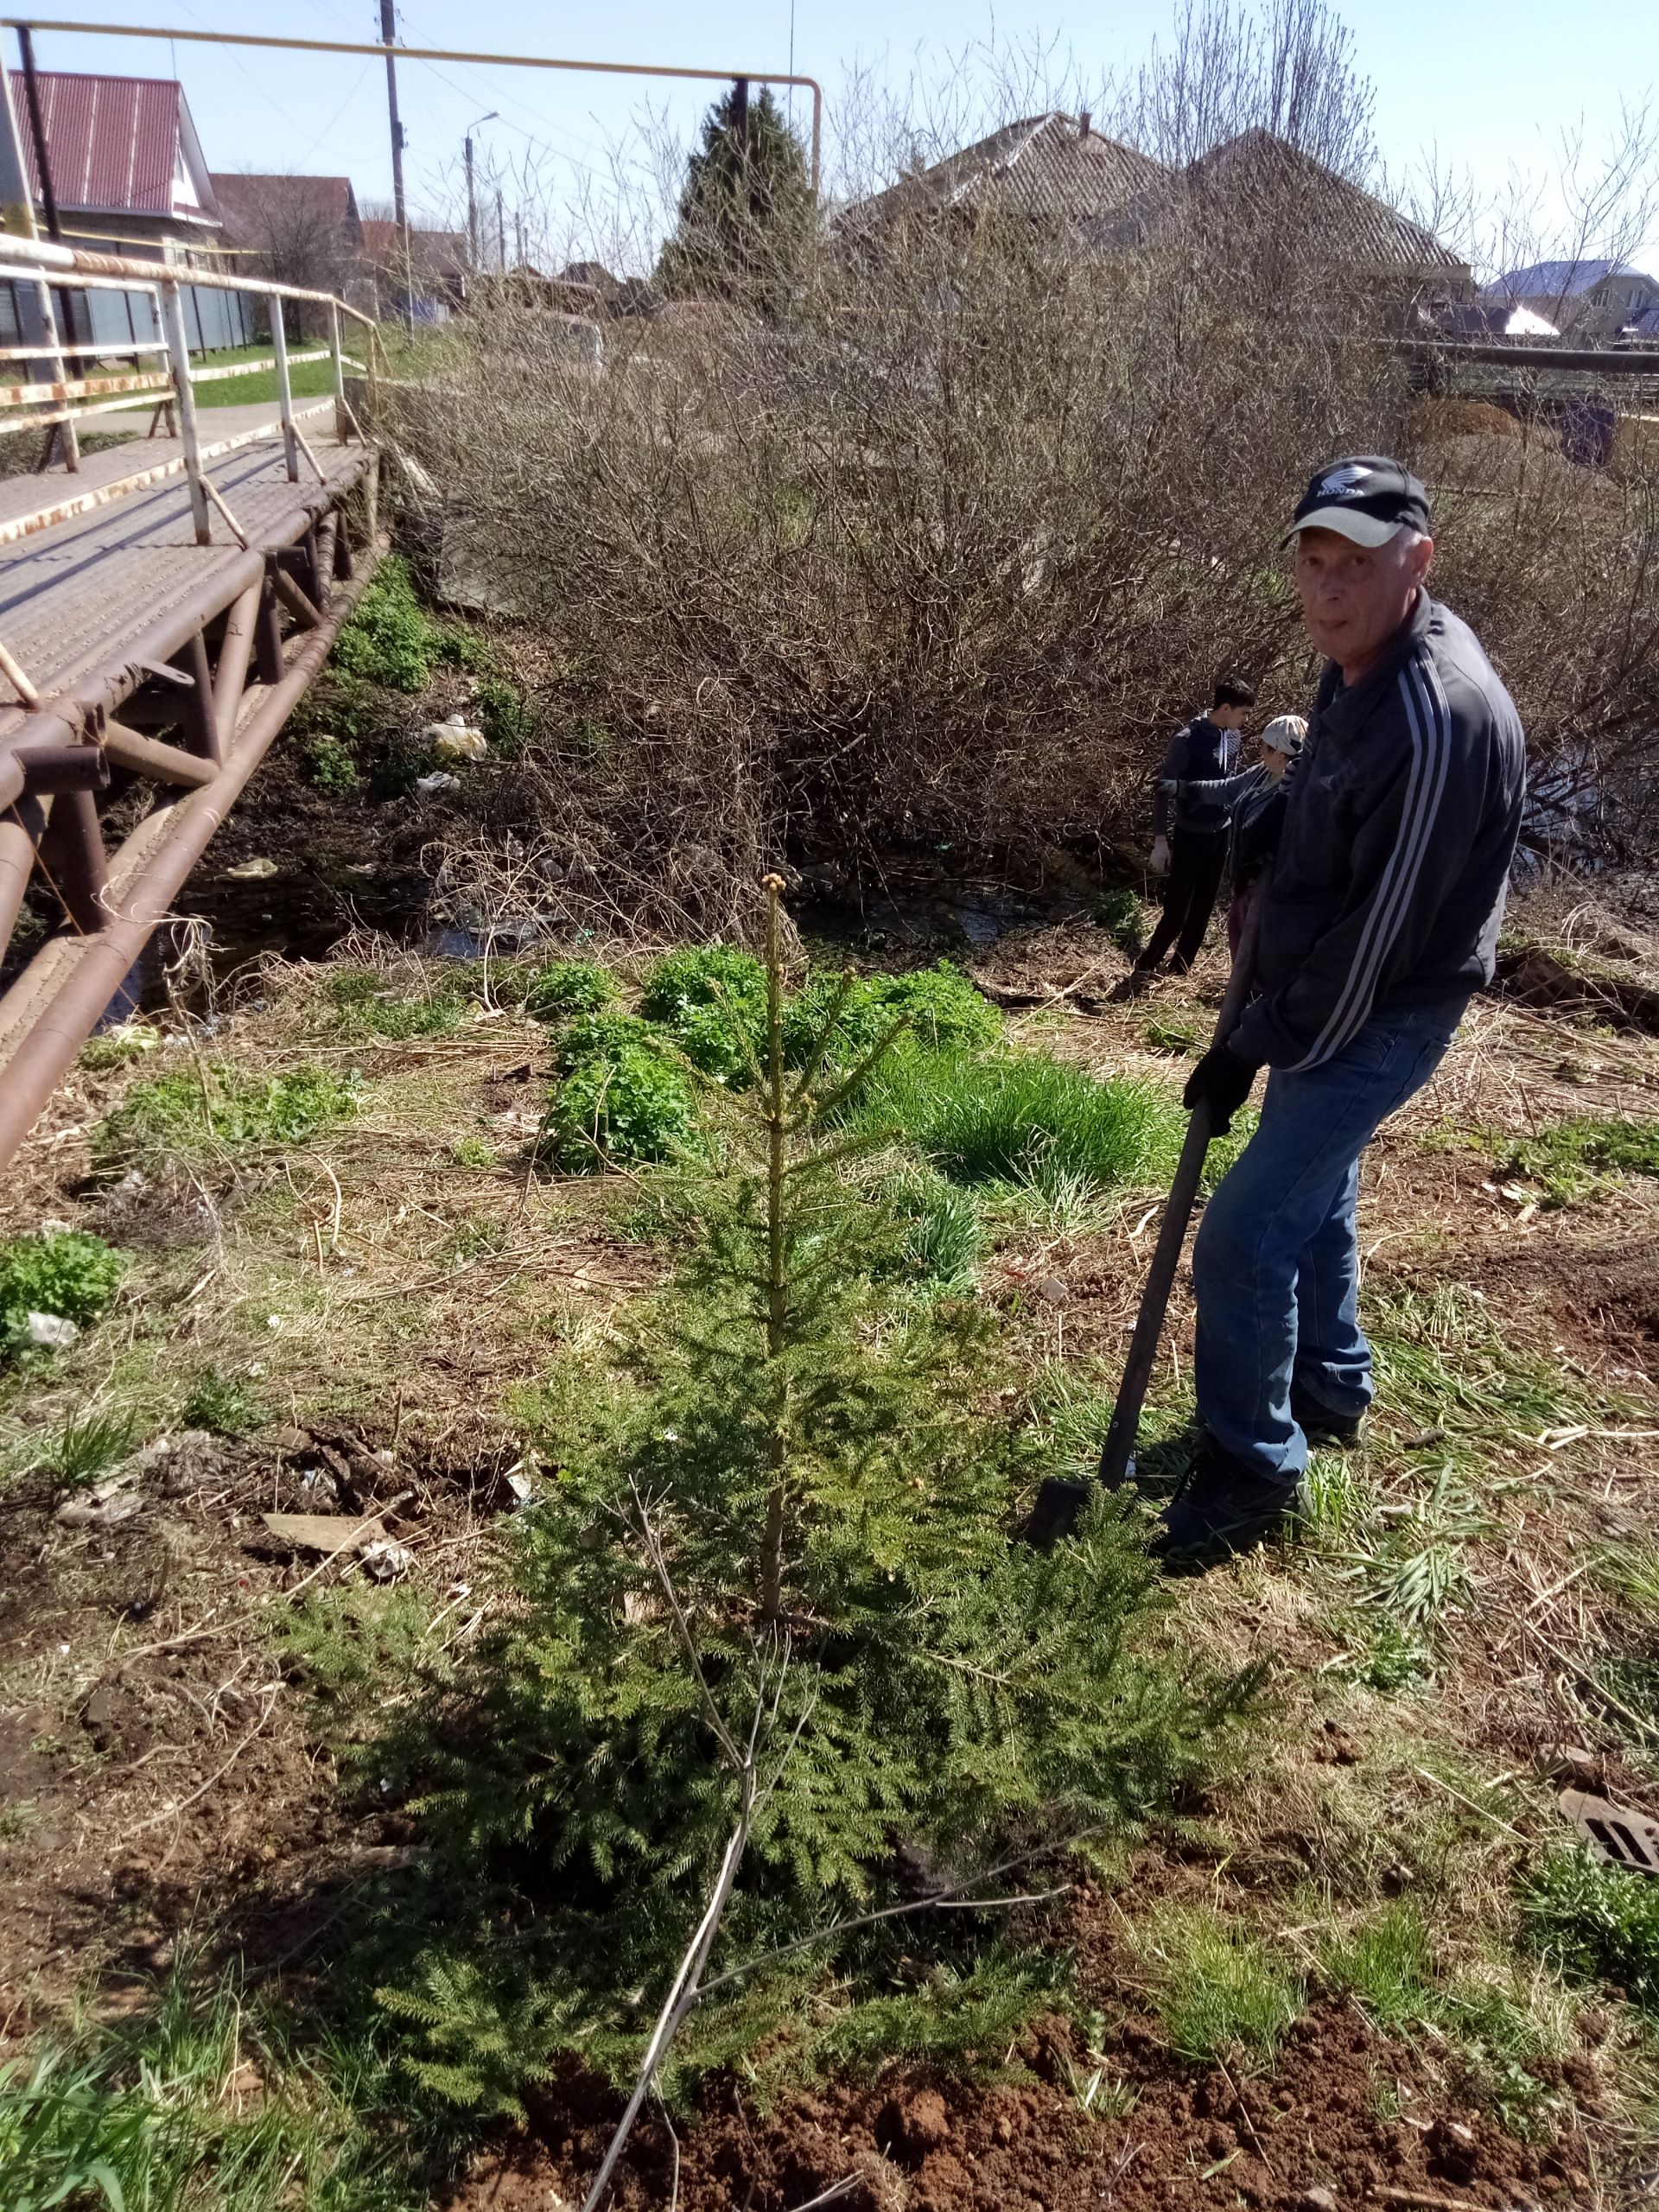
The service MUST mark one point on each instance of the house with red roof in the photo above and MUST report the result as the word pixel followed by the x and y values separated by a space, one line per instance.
pixel 128 176
pixel 126 165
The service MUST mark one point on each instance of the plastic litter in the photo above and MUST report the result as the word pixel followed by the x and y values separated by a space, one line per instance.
pixel 454 739
pixel 50 1332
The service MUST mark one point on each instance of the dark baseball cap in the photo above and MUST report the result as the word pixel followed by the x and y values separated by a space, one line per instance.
pixel 1365 497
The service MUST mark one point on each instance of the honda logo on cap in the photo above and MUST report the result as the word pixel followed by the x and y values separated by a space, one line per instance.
pixel 1344 483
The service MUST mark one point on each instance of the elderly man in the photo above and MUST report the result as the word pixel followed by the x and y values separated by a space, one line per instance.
pixel 1380 920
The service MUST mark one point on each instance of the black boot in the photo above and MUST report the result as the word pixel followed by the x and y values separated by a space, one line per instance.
pixel 1319 1425
pixel 1225 1507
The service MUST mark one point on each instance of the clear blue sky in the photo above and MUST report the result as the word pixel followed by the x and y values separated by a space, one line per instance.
pixel 1488 83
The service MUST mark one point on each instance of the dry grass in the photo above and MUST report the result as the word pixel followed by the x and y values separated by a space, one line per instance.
pixel 1411 1746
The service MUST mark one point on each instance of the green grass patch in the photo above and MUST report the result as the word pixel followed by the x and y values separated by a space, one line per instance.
pixel 222 1109
pixel 198 2100
pixel 66 1273
pixel 392 641
pixel 1567 1161
pixel 1596 1923
pixel 1221 1991
pixel 1178 1037
pixel 369 1007
pixel 1009 1117
pixel 943 1239
pixel 1385 1966
pixel 1443 1362
pixel 224 1405
pixel 89 1444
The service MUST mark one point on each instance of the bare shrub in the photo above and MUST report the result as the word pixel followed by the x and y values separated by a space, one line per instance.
pixel 934 559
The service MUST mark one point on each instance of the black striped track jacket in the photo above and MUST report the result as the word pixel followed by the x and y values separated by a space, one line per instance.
pixel 1403 811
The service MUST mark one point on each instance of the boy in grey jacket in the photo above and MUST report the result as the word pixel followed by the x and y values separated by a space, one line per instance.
pixel 1381 919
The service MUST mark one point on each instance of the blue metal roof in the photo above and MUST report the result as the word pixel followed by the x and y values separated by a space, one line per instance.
pixel 1558 280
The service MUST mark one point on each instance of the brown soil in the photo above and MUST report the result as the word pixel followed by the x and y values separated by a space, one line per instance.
pixel 1191 2137
pixel 165 1774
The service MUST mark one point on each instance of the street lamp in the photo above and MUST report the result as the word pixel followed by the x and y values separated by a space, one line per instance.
pixel 472 203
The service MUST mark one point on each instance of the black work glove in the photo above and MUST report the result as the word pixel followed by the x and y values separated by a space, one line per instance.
pixel 1222 1081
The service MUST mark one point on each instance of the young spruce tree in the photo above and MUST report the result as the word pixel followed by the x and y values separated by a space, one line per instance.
pixel 774 1644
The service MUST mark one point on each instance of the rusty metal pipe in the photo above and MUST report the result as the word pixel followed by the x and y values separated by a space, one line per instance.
pixel 80 698
pixel 298 605
pixel 21 829
pixel 147 756
pixel 64 767
pixel 48 1049
pixel 71 853
pixel 234 649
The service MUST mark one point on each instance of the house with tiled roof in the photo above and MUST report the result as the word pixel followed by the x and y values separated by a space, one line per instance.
pixel 1588 300
pixel 1053 167
pixel 1259 178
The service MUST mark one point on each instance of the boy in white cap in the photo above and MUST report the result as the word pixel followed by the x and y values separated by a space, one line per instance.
pixel 1254 802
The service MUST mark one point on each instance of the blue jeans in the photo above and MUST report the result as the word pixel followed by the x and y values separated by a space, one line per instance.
pixel 1276 1264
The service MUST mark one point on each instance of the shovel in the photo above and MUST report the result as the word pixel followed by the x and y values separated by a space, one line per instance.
pixel 1059 1502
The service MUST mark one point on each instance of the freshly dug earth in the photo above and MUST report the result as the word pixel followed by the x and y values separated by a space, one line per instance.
pixel 929 2144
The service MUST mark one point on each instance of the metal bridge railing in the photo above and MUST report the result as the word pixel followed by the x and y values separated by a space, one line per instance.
pixel 57 396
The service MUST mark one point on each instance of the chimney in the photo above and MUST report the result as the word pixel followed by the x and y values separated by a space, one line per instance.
pixel 1082 125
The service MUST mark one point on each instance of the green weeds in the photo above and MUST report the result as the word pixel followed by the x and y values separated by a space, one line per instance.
pixel 561 989
pixel 222 1109
pixel 333 765
pixel 620 1100
pixel 392 641
pixel 66 1274
pixel 1120 913
pixel 224 1405
pixel 1596 1923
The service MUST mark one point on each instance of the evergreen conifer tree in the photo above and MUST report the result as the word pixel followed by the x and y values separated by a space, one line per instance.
pixel 746 211
pixel 771 1637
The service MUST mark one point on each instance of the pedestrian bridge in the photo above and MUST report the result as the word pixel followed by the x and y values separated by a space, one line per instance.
pixel 165 599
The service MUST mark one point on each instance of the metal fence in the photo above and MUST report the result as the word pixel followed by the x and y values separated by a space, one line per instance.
pixel 113 322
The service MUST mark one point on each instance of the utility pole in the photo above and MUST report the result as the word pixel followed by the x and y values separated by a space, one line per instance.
pixel 389 34
pixel 37 131
pixel 471 198
pixel 501 231
pixel 741 118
